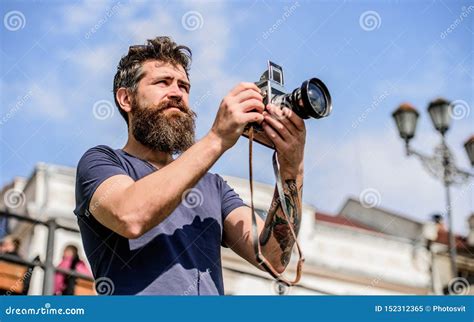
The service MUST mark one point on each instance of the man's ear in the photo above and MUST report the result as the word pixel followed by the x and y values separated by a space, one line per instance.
pixel 124 99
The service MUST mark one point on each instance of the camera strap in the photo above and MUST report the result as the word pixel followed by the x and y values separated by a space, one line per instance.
pixel 256 241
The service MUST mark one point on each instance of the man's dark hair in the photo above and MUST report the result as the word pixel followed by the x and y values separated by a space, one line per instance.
pixel 130 72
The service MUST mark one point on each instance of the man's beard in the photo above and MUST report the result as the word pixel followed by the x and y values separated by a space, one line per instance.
pixel 159 130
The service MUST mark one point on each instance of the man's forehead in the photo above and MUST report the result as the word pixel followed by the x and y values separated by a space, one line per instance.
pixel 154 67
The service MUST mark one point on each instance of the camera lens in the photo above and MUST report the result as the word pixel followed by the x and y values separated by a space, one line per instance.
pixel 314 99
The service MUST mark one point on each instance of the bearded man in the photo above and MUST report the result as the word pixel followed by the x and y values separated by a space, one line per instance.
pixel 141 230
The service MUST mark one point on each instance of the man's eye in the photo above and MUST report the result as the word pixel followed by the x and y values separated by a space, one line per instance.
pixel 185 88
pixel 160 82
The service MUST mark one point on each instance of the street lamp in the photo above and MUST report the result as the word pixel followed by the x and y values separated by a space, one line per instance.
pixel 469 146
pixel 440 113
pixel 441 164
pixel 406 116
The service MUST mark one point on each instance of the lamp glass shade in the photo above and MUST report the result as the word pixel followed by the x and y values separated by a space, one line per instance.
pixel 440 113
pixel 469 146
pixel 406 119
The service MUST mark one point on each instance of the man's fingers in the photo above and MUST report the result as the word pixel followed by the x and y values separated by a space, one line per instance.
pixel 252 104
pixel 278 126
pixel 274 110
pixel 273 135
pixel 252 117
pixel 248 94
pixel 244 86
pixel 284 119
pixel 295 119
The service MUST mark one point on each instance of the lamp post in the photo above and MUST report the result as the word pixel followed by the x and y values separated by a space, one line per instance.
pixel 441 164
pixel 430 234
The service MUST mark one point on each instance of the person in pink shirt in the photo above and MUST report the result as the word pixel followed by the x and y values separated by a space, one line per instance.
pixel 64 284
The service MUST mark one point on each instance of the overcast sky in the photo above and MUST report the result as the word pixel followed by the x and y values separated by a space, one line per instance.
pixel 58 59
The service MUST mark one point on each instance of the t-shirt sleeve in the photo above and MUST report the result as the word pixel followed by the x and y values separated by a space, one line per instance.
pixel 96 165
pixel 230 199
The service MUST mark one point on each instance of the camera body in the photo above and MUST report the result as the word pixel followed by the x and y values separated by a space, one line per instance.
pixel 310 100
pixel 271 85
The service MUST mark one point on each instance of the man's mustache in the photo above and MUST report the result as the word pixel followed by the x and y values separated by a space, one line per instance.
pixel 174 103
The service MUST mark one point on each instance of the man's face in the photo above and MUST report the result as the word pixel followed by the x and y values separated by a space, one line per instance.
pixel 160 117
pixel 8 246
pixel 68 253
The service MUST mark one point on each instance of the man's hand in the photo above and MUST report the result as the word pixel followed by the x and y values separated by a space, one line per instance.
pixel 287 131
pixel 241 106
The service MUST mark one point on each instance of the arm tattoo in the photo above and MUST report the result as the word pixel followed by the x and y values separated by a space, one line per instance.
pixel 277 223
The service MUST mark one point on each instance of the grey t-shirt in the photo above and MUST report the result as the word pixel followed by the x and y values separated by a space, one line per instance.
pixel 180 256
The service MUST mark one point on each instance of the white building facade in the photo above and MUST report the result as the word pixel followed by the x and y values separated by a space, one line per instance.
pixel 342 257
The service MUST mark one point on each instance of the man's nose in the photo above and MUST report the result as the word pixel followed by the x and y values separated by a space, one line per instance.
pixel 174 91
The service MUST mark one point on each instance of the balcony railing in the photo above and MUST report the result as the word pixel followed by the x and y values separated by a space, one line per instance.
pixel 12 267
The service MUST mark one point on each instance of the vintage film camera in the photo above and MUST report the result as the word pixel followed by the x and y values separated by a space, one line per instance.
pixel 311 100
